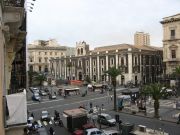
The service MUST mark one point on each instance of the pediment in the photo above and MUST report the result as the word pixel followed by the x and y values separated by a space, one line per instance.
pixel 173 47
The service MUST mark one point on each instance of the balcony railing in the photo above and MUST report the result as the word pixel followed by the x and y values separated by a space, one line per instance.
pixel 14 3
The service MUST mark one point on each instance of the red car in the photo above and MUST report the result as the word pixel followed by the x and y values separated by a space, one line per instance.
pixel 84 127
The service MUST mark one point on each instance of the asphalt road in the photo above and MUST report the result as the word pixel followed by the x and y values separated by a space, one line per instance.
pixel 74 101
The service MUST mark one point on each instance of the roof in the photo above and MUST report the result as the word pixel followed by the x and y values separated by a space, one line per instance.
pixel 104 114
pixel 113 47
pixel 75 112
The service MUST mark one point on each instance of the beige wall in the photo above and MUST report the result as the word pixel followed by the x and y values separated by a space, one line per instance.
pixel 171 43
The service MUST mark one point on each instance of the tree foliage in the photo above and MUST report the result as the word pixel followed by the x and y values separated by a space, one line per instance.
pixel 113 72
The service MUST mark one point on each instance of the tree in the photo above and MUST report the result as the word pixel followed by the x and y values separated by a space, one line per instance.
pixel 177 74
pixel 31 75
pixel 155 90
pixel 113 73
pixel 40 78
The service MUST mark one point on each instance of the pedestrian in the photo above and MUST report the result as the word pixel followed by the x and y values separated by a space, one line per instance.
pixel 54 93
pixel 51 131
pixel 90 104
pixel 32 114
pixel 111 97
pixel 178 122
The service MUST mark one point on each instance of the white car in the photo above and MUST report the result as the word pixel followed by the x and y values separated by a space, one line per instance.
pixel 45 116
pixel 94 131
pixel 111 132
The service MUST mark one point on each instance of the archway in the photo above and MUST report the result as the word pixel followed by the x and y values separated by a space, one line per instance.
pixel 80 75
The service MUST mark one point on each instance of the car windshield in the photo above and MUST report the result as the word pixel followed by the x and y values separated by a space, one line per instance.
pixel 45 113
pixel 36 94
pixel 108 117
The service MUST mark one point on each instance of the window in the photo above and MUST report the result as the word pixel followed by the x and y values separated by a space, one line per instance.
pixel 39 59
pixel 112 61
pixel 81 50
pixel 87 70
pixel 94 62
pixel 87 63
pixel 46 59
pixel 135 60
pixel 39 68
pixel 102 62
pixel 122 61
pixel 173 33
pixel 31 59
pixel 102 69
pixel 45 53
pixel 173 53
pixel 61 54
pixel 78 51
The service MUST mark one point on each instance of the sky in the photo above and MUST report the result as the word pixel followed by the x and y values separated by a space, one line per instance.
pixel 98 22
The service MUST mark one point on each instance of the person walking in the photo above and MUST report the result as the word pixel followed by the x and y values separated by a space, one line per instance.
pixel 32 114
pixel 51 131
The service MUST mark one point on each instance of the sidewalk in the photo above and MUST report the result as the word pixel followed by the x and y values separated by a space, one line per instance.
pixel 131 110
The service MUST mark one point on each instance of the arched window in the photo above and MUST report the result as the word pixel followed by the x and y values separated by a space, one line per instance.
pixel 81 50
pixel 78 51
pixel 31 68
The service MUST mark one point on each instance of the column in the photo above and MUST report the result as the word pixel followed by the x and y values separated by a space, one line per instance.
pixel 55 69
pixel 116 60
pixel 90 67
pixel 65 67
pixel 129 64
pixel 98 77
pixel 107 65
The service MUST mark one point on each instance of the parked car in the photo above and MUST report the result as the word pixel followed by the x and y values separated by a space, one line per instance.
pixel 45 116
pixel 106 119
pixel 52 96
pixel 111 132
pixel 84 127
pixel 35 90
pixel 42 131
pixel 42 93
pixel 36 97
pixel 93 131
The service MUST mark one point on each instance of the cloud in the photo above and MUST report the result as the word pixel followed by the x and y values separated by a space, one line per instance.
pixel 98 22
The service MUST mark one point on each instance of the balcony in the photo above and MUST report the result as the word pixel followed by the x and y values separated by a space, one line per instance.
pixel 14 3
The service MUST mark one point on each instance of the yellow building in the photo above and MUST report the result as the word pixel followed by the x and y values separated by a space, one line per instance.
pixel 171 42
pixel 141 38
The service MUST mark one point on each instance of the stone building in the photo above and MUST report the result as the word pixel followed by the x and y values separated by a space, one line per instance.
pixel 141 38
pixel 12 39
pixel 138 63
pixel 41 51
pixel 171 42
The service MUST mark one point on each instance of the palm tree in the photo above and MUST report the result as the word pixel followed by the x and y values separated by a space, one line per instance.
pixel 40 78
pixel 113 73
pixel 155 90
pixel 177 74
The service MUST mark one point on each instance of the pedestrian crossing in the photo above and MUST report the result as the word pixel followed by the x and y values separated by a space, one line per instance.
pixel 97 109
pixel 45 123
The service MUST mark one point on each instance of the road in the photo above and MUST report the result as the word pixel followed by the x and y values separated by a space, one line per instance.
pixel 74 101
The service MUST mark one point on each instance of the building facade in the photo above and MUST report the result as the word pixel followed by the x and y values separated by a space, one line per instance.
pixel 41 51
pixel 12 38
pixel 140 64
pixel 171 42
pixel 141 38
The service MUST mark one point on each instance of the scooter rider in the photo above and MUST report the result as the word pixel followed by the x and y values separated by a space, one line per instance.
pixel 51 131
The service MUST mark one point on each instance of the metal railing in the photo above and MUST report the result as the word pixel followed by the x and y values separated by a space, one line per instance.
pixel 14 3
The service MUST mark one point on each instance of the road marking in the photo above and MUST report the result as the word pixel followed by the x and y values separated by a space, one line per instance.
pixel 46 108
pixel 45 123
pixel 50 122
pixel 39 123
pixel 29 104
